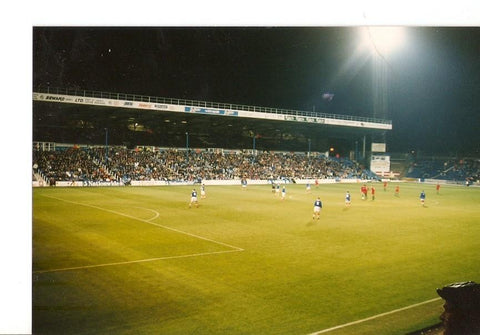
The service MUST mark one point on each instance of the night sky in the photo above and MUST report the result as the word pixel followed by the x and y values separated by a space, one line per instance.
pixel 432 82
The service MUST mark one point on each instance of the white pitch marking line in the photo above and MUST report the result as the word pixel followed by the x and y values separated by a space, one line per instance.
pixel 157 214
pixel 133 262
pixel 375 316
pixel 155 224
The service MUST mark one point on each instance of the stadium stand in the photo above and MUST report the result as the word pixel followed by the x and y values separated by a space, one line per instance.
pixel 70 164
pixel 90 165
pixel 459 170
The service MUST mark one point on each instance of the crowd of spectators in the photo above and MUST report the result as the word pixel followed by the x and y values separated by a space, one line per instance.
pixel 119 164
pixel 460 170
pixel 72 164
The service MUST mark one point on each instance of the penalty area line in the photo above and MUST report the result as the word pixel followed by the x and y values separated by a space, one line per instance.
pixel 149 222
pixel 157 214
pixel 375 317
pixel 133 262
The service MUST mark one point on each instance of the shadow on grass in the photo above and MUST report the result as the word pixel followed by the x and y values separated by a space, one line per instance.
pixel 312 222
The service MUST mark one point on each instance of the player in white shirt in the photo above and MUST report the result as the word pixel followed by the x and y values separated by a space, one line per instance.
pixel 284 192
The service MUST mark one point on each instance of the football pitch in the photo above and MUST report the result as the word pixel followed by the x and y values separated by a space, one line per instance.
pixel 138 260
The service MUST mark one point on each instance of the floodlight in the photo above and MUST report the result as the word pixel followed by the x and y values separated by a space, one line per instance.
pixel 382 40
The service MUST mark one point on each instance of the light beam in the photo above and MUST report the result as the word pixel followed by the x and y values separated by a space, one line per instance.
pixel 382 40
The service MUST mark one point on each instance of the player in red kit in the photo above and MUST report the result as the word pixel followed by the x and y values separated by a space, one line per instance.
pixel 364 191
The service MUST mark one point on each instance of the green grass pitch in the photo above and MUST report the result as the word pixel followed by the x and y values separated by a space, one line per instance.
pixel 137 260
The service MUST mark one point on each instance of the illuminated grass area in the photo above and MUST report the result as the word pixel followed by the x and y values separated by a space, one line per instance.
pixel 137 260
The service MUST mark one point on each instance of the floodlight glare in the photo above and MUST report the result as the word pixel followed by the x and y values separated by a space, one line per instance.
pixel 382 40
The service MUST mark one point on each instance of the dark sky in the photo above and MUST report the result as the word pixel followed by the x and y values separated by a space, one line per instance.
pixel 432 82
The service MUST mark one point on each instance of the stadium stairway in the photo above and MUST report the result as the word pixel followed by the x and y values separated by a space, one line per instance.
pixel 399 167
pixel 39 178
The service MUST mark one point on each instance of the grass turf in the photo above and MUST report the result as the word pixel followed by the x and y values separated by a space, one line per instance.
pixel 138 260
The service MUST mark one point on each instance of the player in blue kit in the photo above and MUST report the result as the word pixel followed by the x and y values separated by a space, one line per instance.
pixel 277 189
pixel 193 199
pixel 244 183
pixel 348 199
pixel 317 207
pixel 284 192
pixel 422 198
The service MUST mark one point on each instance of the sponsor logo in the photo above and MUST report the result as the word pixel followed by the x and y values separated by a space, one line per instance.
pixel 304 119
pixel 79 100
pixel 231 113
pixel 128 103
pixel 142 105
pixel 54 98
pixel 210 111
pixel 160 106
